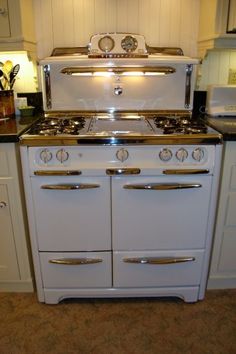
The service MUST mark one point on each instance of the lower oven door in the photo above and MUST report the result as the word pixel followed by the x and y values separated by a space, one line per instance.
pixel 72 213
pixel 164 212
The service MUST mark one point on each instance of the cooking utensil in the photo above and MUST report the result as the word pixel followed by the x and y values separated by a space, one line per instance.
pixel 7 67
pixel 13 74
pixel 3 84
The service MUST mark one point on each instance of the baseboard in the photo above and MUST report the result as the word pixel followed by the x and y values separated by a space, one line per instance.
pixel 219 282
pixel 25 286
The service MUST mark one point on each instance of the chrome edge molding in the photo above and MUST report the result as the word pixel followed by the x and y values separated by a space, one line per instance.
pixel 189 69
pixel 46 70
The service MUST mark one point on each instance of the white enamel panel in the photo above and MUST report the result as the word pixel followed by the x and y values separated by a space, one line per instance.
pixel 138 93
pixel 138 275
pixel 160 219
pixel 72 220
pixel 76 276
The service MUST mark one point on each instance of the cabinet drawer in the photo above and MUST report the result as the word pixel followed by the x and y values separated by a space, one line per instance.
pixel 76 270
pixel 130 269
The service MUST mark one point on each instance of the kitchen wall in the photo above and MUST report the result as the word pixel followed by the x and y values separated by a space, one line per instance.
pixel 215 68
pixel 72 22
pixel 26 80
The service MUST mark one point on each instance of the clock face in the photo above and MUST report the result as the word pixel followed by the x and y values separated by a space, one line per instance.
pixel 129 43
pixel 106 44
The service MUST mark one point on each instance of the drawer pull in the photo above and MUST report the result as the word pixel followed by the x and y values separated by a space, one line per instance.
pixel 57 173
pixel 122 171
pixel 161 186
pixel 185 172
pixel 75 261
pixel 69 186
pixel 161 260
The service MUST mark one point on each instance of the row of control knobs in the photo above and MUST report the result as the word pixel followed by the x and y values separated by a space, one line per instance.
pixel 122 155
pixel 181 154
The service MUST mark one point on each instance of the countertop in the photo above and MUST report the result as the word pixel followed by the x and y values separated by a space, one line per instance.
pixel 225 125
pixel 11 129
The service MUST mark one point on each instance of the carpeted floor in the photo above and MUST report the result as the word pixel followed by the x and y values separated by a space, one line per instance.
pixel 118 326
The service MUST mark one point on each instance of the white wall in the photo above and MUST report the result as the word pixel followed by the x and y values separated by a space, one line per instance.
pixel 71 22
pixel 215 68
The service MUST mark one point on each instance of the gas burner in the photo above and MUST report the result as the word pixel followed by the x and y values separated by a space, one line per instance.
pixel 56 126
pixel 180 125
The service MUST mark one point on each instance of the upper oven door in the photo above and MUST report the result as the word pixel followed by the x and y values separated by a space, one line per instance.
pixel 159 213
pixel 118 84
pixel 72 213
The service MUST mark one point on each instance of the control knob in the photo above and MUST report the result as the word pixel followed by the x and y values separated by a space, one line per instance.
pixel 62 155
pixel 122 155
pixel 165 154
pixel 45 155
pixel 181 154
pixel 198 154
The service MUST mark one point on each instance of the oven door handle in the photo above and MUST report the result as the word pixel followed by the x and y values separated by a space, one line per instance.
pixel 69 186
pixel 57 173
pixel 75 261
pixel 186 172
pixel 158 260
pixel 162 186
pixel 122 171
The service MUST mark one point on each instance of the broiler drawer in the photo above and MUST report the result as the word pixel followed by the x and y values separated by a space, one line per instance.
pixel 156 269
pixel 76 270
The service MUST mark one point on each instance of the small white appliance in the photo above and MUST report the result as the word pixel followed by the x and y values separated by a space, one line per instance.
pixel 221 100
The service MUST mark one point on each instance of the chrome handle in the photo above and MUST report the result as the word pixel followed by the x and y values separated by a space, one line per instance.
pixel 161 186
pixel 122 171
pixel 185 172
pixel 3 204
pixel 57 173
pixel 69 186
pixel 48 86
pixel 189 69
pixel 158 260
pixel 75 261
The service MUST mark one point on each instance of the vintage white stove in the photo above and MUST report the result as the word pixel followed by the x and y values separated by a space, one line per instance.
pixel 120 181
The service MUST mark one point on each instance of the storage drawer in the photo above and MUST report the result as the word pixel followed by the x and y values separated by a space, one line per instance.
pixel 131 269
pixel 76 270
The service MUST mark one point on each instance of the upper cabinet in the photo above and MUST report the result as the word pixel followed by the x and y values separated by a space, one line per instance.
pixel 231 25
pixel 17 30
pixel 217 25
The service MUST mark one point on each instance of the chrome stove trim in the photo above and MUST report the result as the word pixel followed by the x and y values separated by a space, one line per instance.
pixel 173 139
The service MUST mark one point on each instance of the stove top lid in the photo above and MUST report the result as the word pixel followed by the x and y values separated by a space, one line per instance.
pixel 130 124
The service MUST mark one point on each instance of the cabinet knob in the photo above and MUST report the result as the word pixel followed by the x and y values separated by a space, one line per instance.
pixel 3 204
pixel 3 11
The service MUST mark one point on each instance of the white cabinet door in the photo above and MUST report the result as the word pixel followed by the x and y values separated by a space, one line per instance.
pixel 8 259
pixel 160 219
pixel 72 220
pixel 4 19
pixel 231 26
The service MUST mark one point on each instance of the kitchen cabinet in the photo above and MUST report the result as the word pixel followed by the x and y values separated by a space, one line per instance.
pixel 15 272
pixel 17 26
pixel 223 264
pixel 217 20
pixel 231 25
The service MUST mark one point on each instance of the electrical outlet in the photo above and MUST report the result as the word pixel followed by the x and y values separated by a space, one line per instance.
pixel 232 77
